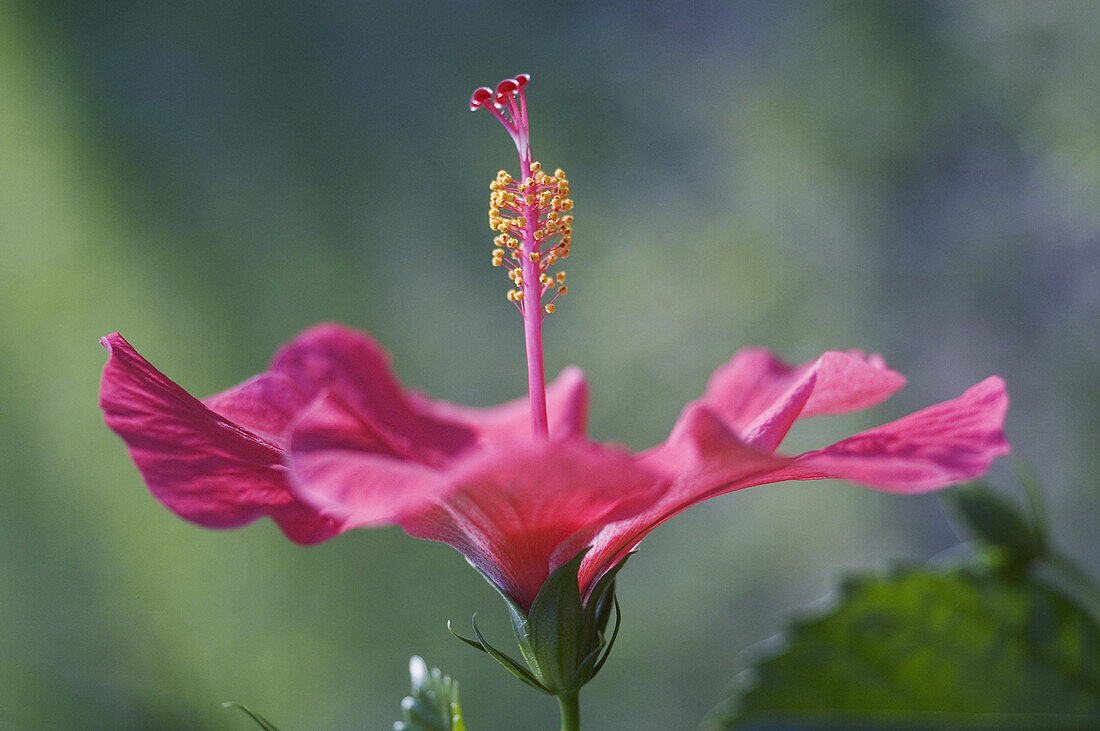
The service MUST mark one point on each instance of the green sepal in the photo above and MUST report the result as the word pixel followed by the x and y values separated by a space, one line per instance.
pixel 505 661
pixel 433 703
pixel 992 519
pixel 552 625
pixel 562 637
pixel 614 635
pixel 260 720
pixel 520 625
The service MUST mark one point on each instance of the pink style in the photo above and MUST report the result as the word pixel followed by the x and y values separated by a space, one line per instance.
pixel 327 439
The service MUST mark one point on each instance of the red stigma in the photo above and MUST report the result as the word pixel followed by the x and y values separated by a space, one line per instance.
pixel 479 97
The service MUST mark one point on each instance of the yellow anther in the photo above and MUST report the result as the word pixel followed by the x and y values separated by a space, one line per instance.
pixel 549 308
pixel 511 204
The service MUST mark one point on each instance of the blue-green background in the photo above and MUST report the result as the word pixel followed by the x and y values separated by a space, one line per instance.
pixel 209 178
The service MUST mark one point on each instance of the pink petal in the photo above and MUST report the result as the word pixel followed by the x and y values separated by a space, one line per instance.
pixel 200 464
pixel 331 357
pixel 701 459
pixel 350 365
pixel 759 396
pixel 348 466
pixel 566 406
pixel 264 405
pixel 520 513
pixel 941 445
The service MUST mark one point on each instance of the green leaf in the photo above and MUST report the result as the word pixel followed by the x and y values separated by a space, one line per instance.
pixel 433 703
pixel 927 648
pixel 1036 503
pixel 260 720
pixel 989 517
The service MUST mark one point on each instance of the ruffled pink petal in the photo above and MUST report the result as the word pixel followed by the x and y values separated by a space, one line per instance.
pixel 759 396
pixel 518 514
pixel 348 466
pixel 335 359
pixel 941 445
pixel 566 407
pixel 701 459
pixel 205 467
pixel 264 405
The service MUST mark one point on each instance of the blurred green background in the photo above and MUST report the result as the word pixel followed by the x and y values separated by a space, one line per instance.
pixel 209 178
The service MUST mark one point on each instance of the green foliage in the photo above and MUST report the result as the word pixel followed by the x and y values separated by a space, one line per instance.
pixel 983 644
pixel 989 518
pixel 931 646
pixel 433 703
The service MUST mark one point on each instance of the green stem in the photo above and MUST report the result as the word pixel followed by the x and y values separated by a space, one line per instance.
pixel 570 711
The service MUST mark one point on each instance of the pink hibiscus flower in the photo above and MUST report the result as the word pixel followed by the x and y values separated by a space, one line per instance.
pixel 327 439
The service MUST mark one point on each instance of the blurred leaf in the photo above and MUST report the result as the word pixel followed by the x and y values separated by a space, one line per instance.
pixel 433 704
pixel 260 720
pixel 923 647
pixel 1036 501
pixel 989 517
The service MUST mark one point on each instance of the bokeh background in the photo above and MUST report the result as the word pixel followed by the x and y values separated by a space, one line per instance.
pixel 209 178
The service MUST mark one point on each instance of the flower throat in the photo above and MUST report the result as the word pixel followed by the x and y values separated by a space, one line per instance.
pixel 534 232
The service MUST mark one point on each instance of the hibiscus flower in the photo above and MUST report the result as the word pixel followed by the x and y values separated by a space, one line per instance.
pixel 327 439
